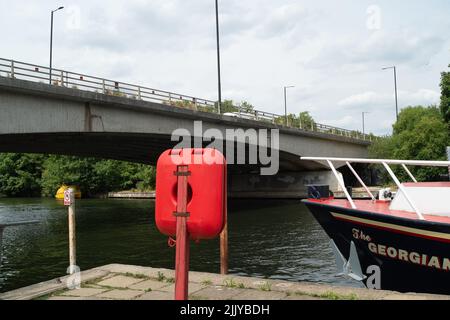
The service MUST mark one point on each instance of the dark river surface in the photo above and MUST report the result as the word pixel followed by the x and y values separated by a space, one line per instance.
pixel 267 238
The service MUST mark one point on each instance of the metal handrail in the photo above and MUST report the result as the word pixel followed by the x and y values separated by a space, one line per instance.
pixel 27 71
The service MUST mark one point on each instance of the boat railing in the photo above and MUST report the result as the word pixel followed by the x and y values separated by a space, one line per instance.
pixel 385 163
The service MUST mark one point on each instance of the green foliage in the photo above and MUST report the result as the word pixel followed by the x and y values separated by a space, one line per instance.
pixel 228 106
pixel 95 176
pixel 183 104
pixel 304 120
pixel 420 134
pixel 20 175
pixel 247 106
pixel 33 175
pixel 115 92
pixel 445 95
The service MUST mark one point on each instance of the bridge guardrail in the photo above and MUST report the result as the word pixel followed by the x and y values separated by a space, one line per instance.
pixel 26 71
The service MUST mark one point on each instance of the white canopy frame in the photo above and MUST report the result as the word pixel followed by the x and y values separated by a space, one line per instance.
pixel 385 163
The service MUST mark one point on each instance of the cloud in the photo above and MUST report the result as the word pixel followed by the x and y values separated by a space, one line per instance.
pixel 423 97
pixel 371 100
pixel 343 122
pixel 368 98
pixel 281 21
pixel 362 51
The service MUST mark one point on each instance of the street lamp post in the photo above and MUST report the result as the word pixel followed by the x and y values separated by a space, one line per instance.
pixel 285 104
pixel 363 126
pixel 218 60
pixel 51 43
pixel 395 87
pixel 224 233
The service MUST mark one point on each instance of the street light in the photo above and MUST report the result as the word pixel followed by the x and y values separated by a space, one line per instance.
pixel 218 59
pixel 51 42
pixel 363 127
pixel 285 103
pixel 395 86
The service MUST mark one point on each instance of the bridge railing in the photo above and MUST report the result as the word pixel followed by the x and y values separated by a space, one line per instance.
pixel 69 79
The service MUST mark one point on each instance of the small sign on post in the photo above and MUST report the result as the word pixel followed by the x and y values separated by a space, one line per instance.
pixel 69 197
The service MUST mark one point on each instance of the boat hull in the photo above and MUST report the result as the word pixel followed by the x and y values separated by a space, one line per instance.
pixel 412 255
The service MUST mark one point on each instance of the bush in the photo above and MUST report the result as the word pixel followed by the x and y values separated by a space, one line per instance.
pixel 20 175
pixel 420 133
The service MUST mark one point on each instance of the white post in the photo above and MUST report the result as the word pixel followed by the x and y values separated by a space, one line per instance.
pixel 360 180
pixel 342 184
pixel 12 68
pixel 409 173
pixel 448 157
pixel 402 188
pixel 69 200
pixel 1 244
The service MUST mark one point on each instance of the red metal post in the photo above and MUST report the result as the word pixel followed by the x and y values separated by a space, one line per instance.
pixel 182 237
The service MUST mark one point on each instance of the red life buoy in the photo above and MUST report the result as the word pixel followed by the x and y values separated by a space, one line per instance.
pixel 206 202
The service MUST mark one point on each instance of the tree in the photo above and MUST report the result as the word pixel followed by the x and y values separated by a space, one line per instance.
pixel 59 170
pixel 445 95
pixel 306 120
pixel 228 106
pixel 248 107
pixel 20 174
pixel 95 176
pixel 419 134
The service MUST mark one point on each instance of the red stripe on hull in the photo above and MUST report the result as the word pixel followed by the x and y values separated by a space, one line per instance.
pixel 394 230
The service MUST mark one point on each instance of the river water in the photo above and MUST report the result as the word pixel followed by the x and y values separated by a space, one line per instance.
pixel 267 238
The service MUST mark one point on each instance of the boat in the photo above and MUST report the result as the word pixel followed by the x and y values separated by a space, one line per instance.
pixel 60 193
pixel 395 240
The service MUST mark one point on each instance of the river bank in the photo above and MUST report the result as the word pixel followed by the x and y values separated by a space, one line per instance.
pixel 131 195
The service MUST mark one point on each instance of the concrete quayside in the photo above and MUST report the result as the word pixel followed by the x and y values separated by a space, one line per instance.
pixel 129 282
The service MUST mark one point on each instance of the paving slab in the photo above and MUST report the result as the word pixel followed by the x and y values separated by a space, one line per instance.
pixel 156 295
pixel 405 297
pixel 147 271
pixel 76 298
pixel 149 284
pixel 217 293
pixel 251 294
pixel 193 287
pixel 117 294
pixel 64 298
pixel 300 297
pixel 119 281
pixel 47 287
pixel 83 292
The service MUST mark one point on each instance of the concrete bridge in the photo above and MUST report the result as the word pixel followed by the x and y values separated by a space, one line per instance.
pixel 37 117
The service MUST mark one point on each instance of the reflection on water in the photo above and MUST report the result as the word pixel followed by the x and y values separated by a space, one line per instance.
pixel 267 238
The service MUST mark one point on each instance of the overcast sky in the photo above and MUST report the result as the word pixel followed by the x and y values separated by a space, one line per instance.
pixel 332 51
